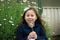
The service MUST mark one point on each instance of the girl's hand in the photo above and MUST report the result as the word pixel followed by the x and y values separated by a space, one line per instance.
pixel 32 35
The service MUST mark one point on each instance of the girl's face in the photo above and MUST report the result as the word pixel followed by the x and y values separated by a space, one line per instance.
pixel 30 16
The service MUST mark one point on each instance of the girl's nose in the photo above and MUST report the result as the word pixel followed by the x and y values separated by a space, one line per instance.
pixel 30 17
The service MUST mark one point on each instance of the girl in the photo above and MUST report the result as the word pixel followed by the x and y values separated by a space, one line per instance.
pixel 31 27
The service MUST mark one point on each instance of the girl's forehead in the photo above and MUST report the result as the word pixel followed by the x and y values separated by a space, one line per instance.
pixel 30 11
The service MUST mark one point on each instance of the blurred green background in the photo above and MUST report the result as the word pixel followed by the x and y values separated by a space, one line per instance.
pixel 11 12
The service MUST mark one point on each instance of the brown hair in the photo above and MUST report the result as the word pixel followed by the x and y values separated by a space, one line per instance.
pixel 38 17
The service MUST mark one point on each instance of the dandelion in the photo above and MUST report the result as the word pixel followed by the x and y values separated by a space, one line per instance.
pixel 11 18
pixel 4 19
pixel 0 9
pixel 8 0
pixel 29 5
pixel 0 24
pixel 49 38
pixel 21 14
pixel 35 6
pixel 53 33
pixel 34 3
pixel 8 7
pixel 21 3
pixel 24 0
pixel 10 21
pixel 14 36
pixel 2 0
pixel 26 8
pixel 12 24
pixel 39 8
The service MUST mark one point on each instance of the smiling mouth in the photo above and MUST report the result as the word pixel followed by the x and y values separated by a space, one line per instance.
pixel 30 21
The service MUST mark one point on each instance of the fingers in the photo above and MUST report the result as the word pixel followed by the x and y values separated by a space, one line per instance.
pixel 32 35
pixel 29 36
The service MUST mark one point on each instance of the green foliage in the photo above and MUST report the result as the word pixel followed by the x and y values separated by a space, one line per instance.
pixel 10 15
pixel 11 12
pixel 40 7
pixel 48 31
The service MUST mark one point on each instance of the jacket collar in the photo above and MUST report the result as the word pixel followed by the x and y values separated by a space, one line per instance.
pixel 36 25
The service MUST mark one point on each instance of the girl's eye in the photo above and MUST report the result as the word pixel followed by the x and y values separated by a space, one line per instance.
pixel 27 15
pixel 32 15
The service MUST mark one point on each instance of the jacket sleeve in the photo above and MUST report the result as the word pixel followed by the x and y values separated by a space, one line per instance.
pixel 20 34
pixel 42 35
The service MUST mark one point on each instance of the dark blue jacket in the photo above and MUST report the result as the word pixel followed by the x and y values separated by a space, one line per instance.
pixel 24 30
